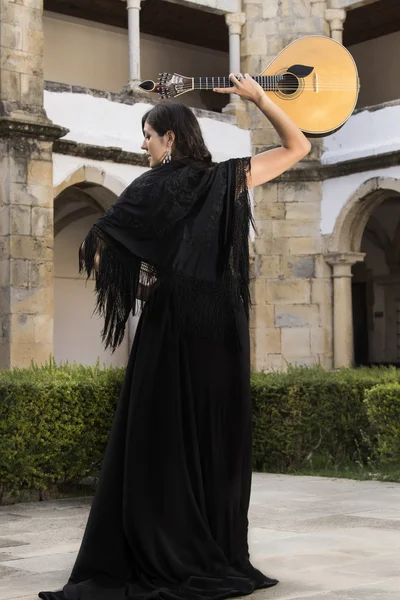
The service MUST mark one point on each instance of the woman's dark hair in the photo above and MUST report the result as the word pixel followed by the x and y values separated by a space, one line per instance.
pixel 177 117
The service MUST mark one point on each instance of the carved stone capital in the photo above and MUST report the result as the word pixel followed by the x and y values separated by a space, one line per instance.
pixel 342 262
pixel 336 18
pixel 235 22
pixel 133 4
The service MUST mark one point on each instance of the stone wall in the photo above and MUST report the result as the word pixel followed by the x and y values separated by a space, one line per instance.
pixel 292 315
pixel 26 189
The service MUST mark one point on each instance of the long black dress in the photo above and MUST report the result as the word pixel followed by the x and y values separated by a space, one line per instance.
pixel 169 517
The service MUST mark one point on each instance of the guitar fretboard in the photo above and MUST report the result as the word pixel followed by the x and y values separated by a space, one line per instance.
pixel 268 83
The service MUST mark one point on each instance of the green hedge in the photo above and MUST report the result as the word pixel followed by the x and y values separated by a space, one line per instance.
pixel 314 418
pixel 54 421
pixel 54 424
pixel 383 409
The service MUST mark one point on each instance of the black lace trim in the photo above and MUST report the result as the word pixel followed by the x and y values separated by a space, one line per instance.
pixel 170 199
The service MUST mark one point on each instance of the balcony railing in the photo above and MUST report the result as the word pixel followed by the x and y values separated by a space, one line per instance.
pixel 110 121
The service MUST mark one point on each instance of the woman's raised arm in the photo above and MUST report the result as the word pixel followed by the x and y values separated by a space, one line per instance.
pixel 295 146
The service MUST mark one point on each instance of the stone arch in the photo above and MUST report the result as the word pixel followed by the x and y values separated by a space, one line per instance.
pixel 344 251
pixel 79 200
pixel 88 191
pixel 353 218
pixel 91 175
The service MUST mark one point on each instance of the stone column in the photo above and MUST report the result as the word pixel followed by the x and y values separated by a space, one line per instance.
pixel 235 22
pixel 26 190
pixel 343 344
pixel 336 18
pixel 133 8
pixel 290 321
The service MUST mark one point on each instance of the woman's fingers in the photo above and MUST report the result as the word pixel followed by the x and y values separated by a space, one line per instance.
pixel 244 86
pixel 230 90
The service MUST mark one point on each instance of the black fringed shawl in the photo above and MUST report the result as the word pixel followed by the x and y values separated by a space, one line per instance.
pixel 179 231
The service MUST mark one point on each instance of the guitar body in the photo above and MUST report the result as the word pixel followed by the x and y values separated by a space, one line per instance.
pixel 314 80
pixel 324 99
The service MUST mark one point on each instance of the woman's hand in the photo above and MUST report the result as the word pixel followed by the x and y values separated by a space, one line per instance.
pixel 245 86
pixel 96 262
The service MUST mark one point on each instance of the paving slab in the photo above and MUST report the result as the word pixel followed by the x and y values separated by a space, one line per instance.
pixel 324 539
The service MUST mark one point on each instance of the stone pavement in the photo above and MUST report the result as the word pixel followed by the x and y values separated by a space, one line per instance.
pixel 324 539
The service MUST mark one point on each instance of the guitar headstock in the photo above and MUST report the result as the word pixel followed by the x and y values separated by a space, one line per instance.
pixel 173 84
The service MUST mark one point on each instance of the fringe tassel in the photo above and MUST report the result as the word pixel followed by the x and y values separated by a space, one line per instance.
pixel 243 218
pixel 120 279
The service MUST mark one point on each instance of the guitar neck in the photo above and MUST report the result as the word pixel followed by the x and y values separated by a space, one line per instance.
pixel 268 83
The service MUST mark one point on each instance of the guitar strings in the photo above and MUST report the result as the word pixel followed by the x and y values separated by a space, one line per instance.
pixel 321 86
pixel 283 88
pixel 289 86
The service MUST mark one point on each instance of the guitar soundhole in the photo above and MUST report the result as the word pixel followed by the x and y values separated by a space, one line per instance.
pixel 289 85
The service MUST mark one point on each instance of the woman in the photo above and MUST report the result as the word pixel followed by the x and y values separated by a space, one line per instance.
pixel 169 518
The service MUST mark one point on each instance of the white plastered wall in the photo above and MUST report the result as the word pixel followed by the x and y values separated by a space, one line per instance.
pixel 366 133
pixel 101 122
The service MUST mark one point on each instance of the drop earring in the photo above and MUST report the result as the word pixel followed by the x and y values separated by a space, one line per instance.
pixel 167 158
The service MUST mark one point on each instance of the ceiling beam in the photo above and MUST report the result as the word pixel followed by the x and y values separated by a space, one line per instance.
pixel 349 4
pixel 186 21
pixel 219 7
